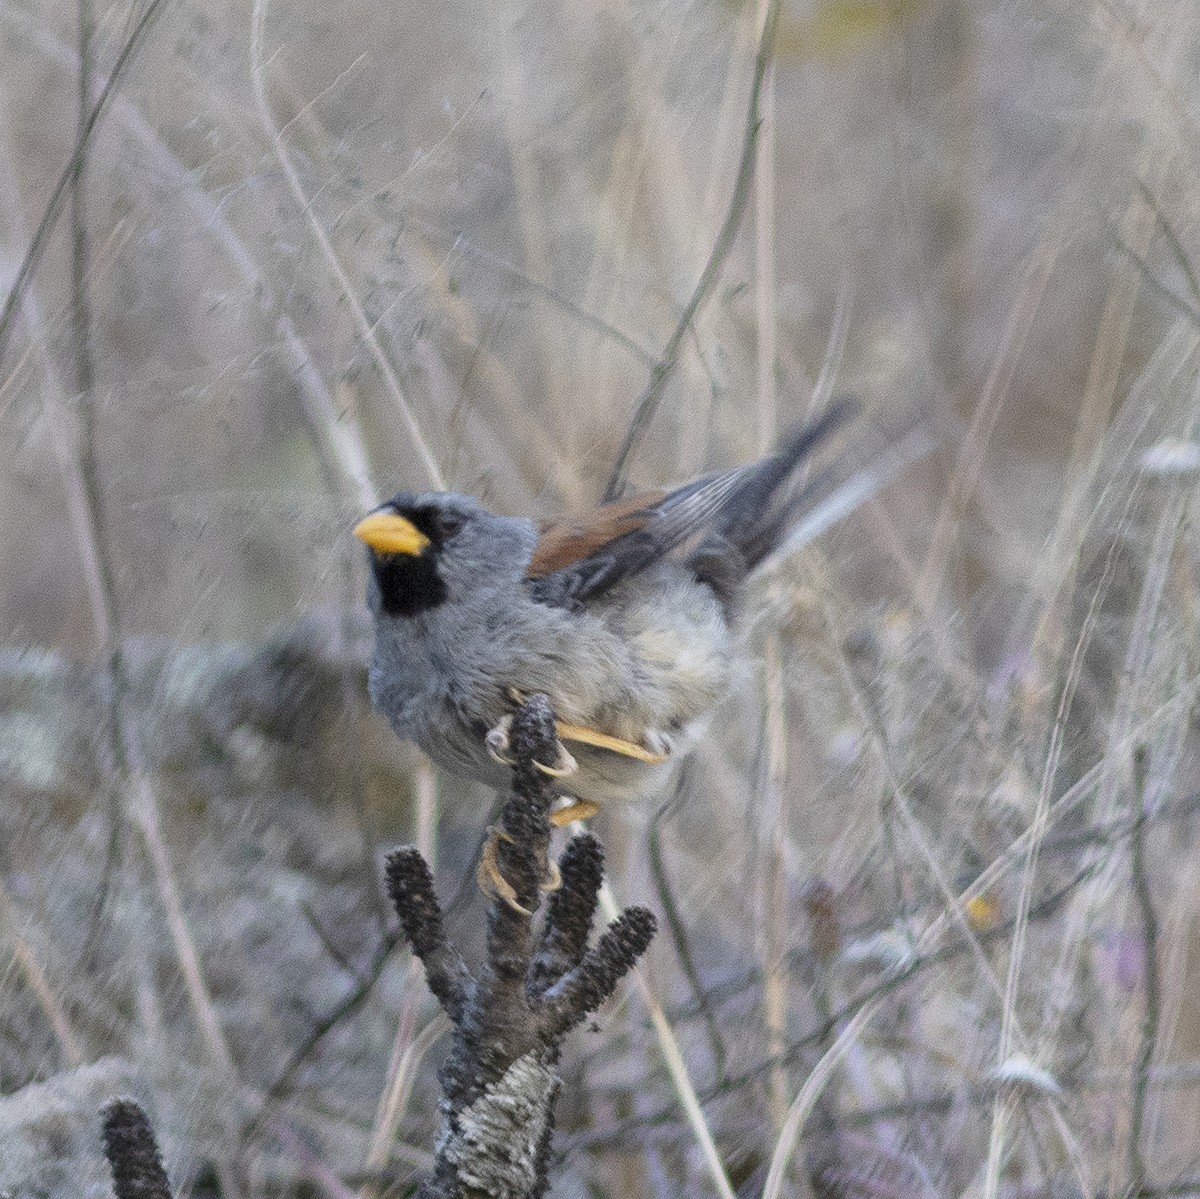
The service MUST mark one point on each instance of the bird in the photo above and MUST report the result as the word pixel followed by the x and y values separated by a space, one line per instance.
pixel 625 618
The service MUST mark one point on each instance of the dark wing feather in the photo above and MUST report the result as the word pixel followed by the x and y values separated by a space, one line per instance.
pixel 744 508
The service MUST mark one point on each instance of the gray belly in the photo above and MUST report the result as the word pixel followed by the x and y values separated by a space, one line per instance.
pixel 649 662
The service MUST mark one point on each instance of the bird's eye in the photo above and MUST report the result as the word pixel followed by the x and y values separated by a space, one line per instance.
pixel 449 524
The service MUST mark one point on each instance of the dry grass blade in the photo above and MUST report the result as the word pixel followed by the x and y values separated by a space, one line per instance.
pixel 647 403
pixel 677 1068
pixel 1002 1104
pixel 408 1052
pixel 366 332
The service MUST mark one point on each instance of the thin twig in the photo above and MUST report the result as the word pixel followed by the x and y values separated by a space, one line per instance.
pixel 679 937
pixel 648 401
pixel 408 1053
pixel 39 983
pixel 583 315
pixel 336 435
pixel 1009 1021
pixel 1173 240
pixel 1107 837
pixel 345 1007
pixel 914 968
pixel 84 504
pixel 774 920
pixel 145 811
pixel 81 473
pixel 819 1035
pixel 1126 729
pixel 58 196
pixel 972 451
pixel 1153 1004
pixel 1189 311
pixel 821 1074
pixel 327 942
pixel 81 316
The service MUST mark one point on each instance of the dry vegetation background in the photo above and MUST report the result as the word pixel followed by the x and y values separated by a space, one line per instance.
pixel 930 893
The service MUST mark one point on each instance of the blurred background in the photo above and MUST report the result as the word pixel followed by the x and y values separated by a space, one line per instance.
pixel 928 894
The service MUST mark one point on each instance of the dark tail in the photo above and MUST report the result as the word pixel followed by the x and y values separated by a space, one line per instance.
pixel 757 515
pixel 760 511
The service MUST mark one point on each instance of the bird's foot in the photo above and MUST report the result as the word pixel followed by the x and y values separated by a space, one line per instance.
pixel 497 745
pixel 656 746
pixel 572 810
pixel 495 886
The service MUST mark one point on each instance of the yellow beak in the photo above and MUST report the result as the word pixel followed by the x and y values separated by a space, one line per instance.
pixel 390 533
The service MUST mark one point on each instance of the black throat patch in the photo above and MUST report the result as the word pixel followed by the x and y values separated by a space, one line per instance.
pixel 408 584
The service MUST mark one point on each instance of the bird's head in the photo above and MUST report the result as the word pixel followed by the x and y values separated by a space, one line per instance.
pixel 426 549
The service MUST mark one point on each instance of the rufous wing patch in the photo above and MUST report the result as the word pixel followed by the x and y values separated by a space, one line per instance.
pixel 566 542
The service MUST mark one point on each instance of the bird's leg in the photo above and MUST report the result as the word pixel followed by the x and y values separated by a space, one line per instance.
pixel 656 747
pixel 487 873
pixel 576 809
pixel 573 809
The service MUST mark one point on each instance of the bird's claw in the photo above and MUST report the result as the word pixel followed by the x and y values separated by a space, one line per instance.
pixel 496 742
pixel 658 744
pixel 495 886
pixel 654 748
pixel 563 768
